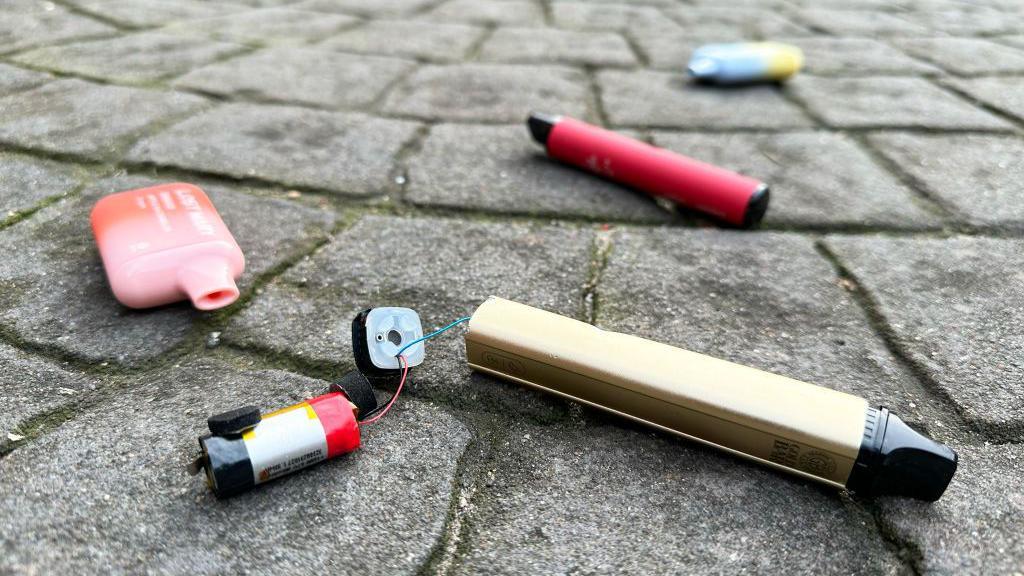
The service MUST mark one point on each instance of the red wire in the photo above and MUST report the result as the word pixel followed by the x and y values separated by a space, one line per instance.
pixel 405 372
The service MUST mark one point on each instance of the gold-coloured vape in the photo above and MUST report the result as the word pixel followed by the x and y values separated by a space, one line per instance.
pixel 815 432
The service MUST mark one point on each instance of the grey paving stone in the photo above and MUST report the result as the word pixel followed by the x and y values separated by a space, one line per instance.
pixel 148 13
pixel 76 117
pixel 488 12
pixel 884 5
pixel 408 38
pixel 1008 6
pixel 670 52
pixel 983 184
pixel 602 16
pixel 963 19
pixel 302 75
pixel 855 57
pixel 268 3
pixel 131 507
pixel 654 3
pixel 375 9
pixel 816 178
pixel 1005 93
pixel 925 287
pixel 137 58
pixel 607 499
pixel 976 527
pixel 31 387
pixel 663 99
pixel 267 26
pixel 765 300
pixel 546 45
pixel 26 29
pixel 27 181
pixel 1013 40
pixel 490 93
pixel 346 153
pixel 501 169
pixel 55 293
pixel 14 79
pixel 669 46
pixel 746 4
pixel 443 269
pixel 889 102
pixel 965 55
pixel 748 23
pixel 869 23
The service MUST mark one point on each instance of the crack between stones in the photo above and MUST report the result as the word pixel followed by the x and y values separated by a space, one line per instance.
pixel 548 12
pixel 881 327
pixel 642 58
pixel 600 251
pixel 597 96
pixel 43 424
pixel 402 157
pixel 103 19
pixel 246 180
pixel 154 128
pixel 36 427
pixel 377 103
pixel 60 44
pixel 25 214
pixel 473 52
pixel 994 110
pixel 371 204
pixel 947 212
pixel 442 557
pixel 244 49
pixel 907 551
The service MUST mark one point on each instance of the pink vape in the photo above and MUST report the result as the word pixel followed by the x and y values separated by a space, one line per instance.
pixel 733 198
pixel 165 244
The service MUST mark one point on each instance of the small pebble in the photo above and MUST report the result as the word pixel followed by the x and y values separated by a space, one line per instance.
pixel 213 339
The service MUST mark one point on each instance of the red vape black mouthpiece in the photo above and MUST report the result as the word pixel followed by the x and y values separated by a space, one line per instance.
pixel 728 196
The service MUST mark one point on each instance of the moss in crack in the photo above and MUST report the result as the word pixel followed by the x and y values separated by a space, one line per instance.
pixel 439 561
pixel 474 470
pixel 600 252
pixel 35 427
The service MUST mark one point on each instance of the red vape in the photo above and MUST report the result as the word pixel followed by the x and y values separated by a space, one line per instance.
pixel 735 199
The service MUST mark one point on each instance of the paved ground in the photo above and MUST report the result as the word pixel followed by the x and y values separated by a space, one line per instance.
pixel 336 134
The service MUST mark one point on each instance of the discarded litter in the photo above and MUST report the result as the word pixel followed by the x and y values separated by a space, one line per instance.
pixel 165 244
pixel 735 199
pixel 811 431
pixel 245 449
pixel 745 62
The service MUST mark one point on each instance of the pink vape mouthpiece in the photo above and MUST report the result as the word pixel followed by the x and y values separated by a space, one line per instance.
pixel 165 244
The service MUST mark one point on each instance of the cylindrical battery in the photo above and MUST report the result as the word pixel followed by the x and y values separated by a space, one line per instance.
pixel 283 442
pixel 736 199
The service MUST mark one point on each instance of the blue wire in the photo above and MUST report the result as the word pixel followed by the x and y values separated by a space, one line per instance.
pixel 432 334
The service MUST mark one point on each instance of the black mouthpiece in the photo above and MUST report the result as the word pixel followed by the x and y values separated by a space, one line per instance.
pixel 757 206
pixel 896 460
pixel 541 125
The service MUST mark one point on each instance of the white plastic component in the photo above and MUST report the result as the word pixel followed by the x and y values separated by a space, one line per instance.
pixel 388 330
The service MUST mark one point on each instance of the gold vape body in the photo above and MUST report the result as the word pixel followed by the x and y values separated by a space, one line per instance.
pixel 805 429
